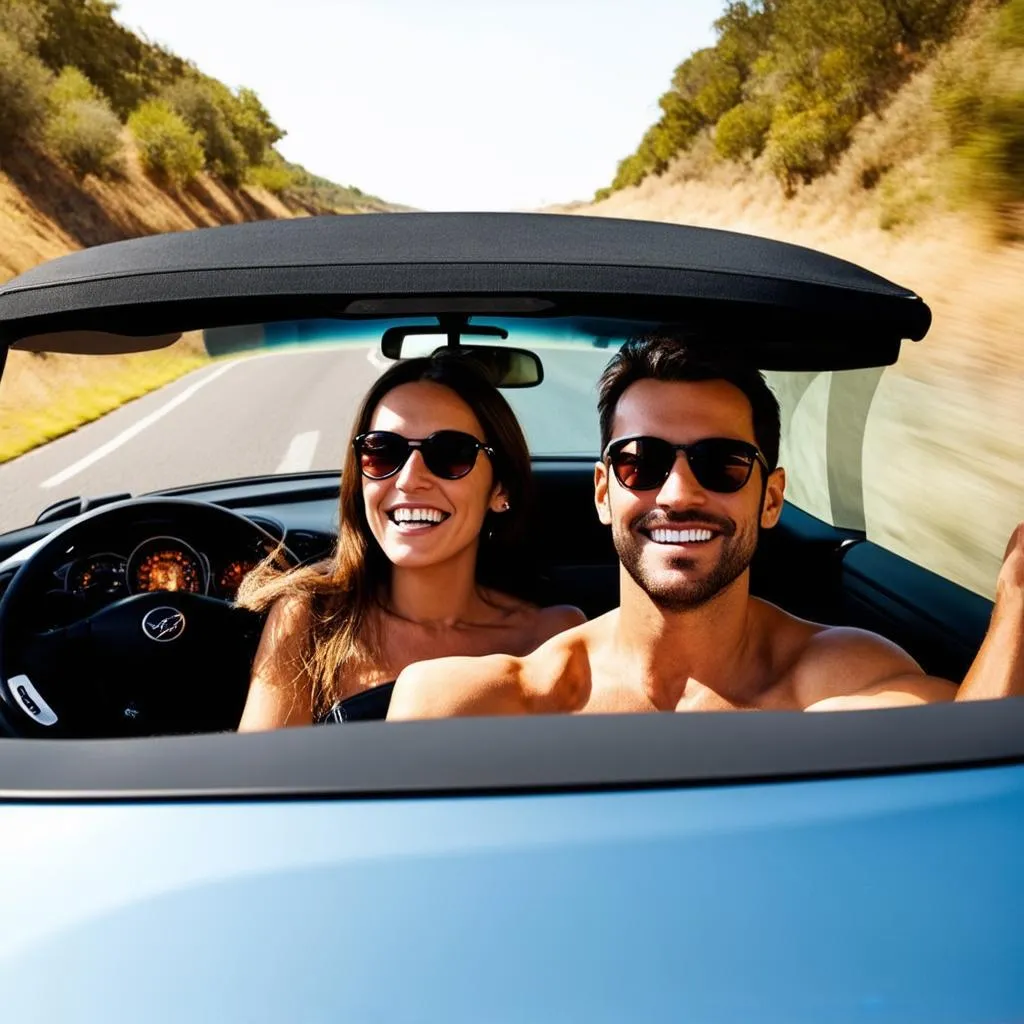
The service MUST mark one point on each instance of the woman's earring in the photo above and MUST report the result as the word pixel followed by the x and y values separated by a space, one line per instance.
pixel 505 506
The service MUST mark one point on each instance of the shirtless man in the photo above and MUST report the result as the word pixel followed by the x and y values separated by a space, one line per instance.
pixel 688 477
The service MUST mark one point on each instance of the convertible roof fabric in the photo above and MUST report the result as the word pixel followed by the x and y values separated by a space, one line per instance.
pixel 339 258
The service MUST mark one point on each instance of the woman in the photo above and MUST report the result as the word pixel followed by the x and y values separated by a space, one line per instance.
pixel 435 497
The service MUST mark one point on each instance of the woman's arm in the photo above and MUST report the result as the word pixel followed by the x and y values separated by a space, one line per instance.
pixel 280 693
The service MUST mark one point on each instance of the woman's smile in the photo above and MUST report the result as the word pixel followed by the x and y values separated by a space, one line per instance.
pixel 408 518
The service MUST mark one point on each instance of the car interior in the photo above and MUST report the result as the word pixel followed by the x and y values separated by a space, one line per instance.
pixel 811 314
pixel 807 567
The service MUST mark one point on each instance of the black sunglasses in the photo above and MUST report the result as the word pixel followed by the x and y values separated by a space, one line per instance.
pixel 448 454
pixel 720 464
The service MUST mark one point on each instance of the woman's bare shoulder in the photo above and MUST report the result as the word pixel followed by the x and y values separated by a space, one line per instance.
pixel 290 612
pixel 557 618
pixel 537 622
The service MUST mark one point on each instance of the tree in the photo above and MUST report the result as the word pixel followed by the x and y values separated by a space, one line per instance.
pixel 253 128
pixel 203 104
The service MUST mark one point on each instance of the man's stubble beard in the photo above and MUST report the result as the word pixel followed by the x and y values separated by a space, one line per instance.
pixel 686 594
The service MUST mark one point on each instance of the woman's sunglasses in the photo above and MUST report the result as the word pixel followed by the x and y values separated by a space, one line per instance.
pixel 448 454
pixel 719 464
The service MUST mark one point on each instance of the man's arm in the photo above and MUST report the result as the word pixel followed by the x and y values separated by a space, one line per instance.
pixel 447 687
pixel 879 674
pixel 847 669
pixel 554 677
pixel 998 670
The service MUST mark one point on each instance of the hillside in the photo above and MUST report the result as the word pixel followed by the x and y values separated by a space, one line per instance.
pixel 105 136
pixel 929 93
pixel 946 438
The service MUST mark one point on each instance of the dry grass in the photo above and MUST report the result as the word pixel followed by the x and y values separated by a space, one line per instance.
pixel 44 397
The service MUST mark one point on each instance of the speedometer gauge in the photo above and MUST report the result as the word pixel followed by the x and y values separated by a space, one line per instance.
pixel 166 563
pixel 232 575
pixel 98 575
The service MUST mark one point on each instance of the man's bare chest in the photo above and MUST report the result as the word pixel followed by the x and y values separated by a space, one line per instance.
pixel 624 690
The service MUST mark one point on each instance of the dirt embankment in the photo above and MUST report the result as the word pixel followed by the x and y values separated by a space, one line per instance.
pixel 45 212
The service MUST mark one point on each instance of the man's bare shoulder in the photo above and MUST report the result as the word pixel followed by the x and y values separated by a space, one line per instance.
pixel 839 668
pixel 496 684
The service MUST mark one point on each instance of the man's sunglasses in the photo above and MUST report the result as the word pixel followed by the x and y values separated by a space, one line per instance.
pixel 719 464
pixel 448 454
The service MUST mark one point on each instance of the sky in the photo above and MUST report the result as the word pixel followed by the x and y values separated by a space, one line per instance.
pixel 449 104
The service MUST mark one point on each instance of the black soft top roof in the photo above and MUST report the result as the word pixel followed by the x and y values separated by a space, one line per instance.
pixel 318 266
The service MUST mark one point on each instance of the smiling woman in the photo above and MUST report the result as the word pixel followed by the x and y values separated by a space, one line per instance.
pixel 431 555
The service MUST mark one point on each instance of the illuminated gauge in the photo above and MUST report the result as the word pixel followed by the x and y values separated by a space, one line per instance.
pixel 166 563
pixel 232 575
pixel 98 576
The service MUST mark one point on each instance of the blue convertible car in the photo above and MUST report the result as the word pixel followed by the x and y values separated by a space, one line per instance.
pixel 157 866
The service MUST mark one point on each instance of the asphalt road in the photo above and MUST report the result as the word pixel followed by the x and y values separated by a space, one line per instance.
pixel 280 412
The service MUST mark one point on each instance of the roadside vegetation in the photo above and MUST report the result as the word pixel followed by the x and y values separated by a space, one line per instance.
pixel 80 87
pixel 792 88
pixel 106 135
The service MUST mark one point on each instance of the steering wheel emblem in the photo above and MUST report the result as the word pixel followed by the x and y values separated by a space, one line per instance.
pixel 163 624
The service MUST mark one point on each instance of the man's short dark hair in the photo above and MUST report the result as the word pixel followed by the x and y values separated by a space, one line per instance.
pixel 669 358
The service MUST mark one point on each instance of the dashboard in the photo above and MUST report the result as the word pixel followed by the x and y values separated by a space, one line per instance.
pixel 164 562
pixel 112 559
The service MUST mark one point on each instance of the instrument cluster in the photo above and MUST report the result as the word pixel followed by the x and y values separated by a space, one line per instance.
pixel 158 563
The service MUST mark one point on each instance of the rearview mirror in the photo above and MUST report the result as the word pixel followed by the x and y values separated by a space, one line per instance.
pixel 503 367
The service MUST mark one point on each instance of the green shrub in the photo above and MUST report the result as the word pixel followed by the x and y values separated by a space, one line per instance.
pixel 990 163
pixel 84 33
pixel 71 86
pixel 24 22
pixel 24 83
pixel 742 131
pixel 274 177
pixel 168 148
pixel 1010 29
pixel 86 135
pixel 251 125
pixel 203 106
pixel 631 171
pixel 803 145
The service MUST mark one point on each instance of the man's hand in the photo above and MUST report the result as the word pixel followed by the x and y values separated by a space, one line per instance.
pixel 1010 582
pixel 998 670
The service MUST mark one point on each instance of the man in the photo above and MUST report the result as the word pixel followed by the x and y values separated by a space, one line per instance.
pixel 688 477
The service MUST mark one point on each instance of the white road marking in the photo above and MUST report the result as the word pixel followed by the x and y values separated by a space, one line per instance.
pixel 299 456
pixel 136 428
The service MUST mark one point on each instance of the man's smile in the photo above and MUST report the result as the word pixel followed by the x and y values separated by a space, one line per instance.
pixel 673 535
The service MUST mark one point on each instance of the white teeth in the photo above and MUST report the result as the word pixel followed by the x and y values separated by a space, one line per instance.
pixel 680 536
pixel 417 515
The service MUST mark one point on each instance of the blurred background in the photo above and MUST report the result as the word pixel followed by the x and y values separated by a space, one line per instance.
pixel 886 132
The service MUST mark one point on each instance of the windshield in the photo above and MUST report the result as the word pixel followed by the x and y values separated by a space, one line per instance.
pixel 257 399
pixel 860 447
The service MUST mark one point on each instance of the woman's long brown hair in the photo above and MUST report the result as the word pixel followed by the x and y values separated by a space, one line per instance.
pixel 340 593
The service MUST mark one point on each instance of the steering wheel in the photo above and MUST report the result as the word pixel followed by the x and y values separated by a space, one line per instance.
pixel 156 662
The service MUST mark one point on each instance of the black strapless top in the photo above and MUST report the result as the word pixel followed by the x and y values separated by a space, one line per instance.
pixel 370 705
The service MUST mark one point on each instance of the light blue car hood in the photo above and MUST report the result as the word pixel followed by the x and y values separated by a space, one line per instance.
pixel 890 898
